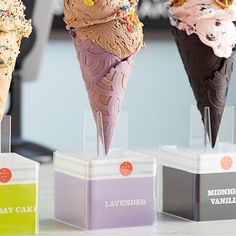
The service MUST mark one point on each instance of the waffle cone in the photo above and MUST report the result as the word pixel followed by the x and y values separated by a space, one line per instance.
pixel 209 76
pixel 106 78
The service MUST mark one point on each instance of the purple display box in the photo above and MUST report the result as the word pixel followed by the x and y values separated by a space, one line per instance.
pixel 116 191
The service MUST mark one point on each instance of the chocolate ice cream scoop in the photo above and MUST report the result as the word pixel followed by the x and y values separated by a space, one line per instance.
pixel 113 25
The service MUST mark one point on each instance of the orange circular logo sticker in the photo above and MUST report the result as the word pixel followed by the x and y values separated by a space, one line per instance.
pixel 226 163
pixel 126 168
pixel 5 175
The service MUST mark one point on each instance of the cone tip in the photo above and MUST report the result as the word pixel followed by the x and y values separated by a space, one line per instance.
pixel 213 142
pixel 106 148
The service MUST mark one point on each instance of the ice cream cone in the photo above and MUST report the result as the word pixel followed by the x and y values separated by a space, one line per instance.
pixel 209 76
pixel 107 34
pixel 9 49
pixel 106 77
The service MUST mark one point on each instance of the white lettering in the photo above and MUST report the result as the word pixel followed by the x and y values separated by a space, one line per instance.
pixel 125 203
pixel 10 209
pixel 6 210
pixel 221 192
pixel 213 200
pixel 222 200
pixel 18 209
pixel 28 209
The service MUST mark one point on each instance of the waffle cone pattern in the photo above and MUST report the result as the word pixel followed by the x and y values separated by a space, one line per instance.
pixel 209 76
pixel 106 78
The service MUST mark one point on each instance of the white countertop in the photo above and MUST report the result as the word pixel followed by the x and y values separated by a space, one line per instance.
pixel 166 225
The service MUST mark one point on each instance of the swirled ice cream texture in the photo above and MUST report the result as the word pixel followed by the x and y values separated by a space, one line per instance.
pixel 12 17
pixel 105 24
pixel 13 26
pixel 213 25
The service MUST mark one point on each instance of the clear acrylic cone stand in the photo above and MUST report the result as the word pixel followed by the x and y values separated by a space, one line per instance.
pixel 93 140
pixel 98 191
pixel 200 135
pixel 198 182
pixel 18 188
pixel 5 135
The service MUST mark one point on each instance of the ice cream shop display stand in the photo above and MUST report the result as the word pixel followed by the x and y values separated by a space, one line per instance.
pixel 105 193
pixel 197 182
pixel 19 184
pixel 98 191
pixel 106 70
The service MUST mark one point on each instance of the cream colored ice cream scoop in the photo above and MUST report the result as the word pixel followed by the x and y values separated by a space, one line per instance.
pixel 12 17
pixel 13 26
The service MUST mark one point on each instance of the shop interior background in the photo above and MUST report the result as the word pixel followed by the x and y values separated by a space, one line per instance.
pixel 158 98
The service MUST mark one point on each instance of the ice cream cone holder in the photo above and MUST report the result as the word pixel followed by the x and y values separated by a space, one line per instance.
pixel 97 191
pixel 18 189
pixel 198 183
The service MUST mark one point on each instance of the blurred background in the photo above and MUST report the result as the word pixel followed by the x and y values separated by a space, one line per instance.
pixel 158 97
